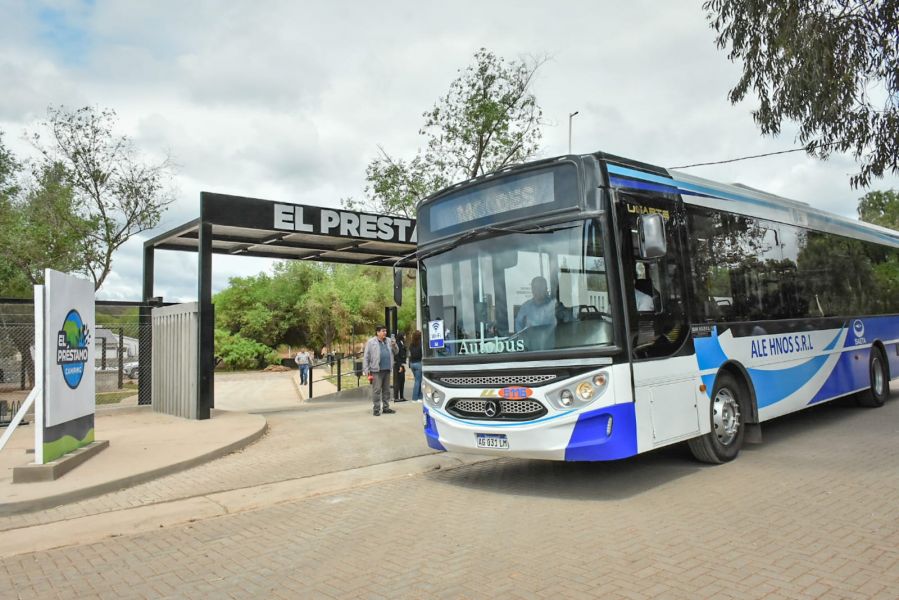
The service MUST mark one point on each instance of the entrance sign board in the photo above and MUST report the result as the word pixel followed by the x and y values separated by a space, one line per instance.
pixel 254 213
pixel 65 413
pixel 343 223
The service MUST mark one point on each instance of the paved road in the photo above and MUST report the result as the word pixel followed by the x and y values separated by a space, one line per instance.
pixel 811 513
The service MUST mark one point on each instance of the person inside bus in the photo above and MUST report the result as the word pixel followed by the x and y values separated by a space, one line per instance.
pixel 539 310
pixel 538 317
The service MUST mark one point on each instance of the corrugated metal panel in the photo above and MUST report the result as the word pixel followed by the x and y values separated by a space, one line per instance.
pixel 176 360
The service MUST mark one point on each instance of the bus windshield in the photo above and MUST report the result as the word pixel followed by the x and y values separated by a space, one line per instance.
pixel 520 292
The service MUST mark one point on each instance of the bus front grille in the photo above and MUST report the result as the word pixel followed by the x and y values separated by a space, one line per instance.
pixel 496 380
pixel 496 409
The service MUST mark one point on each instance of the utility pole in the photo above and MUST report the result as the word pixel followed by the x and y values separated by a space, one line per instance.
pixel 570 116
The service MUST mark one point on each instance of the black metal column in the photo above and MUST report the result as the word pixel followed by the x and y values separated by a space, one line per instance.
pixel 206 345
pixel 145 334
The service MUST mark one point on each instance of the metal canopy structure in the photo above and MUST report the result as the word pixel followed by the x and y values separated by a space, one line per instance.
pixel 240 226
pixel 253 227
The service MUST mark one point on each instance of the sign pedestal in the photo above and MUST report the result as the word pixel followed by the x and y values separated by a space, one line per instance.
pixel 33 473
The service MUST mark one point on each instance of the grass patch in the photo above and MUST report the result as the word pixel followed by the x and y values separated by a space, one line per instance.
pixel 128 389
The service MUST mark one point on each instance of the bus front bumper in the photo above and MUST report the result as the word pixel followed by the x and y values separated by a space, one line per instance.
pixel 606 433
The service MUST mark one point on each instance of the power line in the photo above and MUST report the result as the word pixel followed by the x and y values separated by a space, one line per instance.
pixel 730 160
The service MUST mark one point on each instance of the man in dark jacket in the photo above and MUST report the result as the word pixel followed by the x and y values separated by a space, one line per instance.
pixel 399 370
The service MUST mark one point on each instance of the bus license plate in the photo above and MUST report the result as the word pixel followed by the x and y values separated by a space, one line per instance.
pixel 493 440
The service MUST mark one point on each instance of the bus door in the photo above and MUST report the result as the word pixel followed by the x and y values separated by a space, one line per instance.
pixel 666 380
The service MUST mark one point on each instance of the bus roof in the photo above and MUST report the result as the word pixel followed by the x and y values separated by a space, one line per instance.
pixel 742 199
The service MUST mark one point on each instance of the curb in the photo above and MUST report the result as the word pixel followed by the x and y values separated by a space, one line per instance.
pixel 27 506
pixel 130 521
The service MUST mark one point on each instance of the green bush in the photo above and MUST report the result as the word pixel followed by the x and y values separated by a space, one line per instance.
pixel 237 352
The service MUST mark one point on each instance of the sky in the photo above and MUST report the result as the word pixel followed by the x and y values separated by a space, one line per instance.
pixel 291 100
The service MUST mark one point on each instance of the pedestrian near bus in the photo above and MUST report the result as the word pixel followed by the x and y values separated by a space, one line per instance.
pixel 303 361
pixel 399 369
pixel 377 365
pixel 415 364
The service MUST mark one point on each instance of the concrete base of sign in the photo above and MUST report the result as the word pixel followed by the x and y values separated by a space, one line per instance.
pixel 33 473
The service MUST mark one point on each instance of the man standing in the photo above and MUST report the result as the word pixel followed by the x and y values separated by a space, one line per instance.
pixel 302 360
pixel 377 364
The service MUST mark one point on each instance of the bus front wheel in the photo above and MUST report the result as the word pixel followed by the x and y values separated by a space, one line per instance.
pixel 727 410
pixel 880 381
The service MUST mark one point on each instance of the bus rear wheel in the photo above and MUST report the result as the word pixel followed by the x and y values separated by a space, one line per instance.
pixel 879 391
pixel 728 405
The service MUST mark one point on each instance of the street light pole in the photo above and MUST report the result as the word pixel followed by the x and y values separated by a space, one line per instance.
pixel 570 116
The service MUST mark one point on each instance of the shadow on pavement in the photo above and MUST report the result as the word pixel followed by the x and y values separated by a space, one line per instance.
pixel 623 479
pixel 616 480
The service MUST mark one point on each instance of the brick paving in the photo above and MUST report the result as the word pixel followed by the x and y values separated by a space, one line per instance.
pixel 811 513
pixel 298 444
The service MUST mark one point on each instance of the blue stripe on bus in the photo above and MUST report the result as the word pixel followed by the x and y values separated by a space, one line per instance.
pixel 589 441
pixel 642 185
pixel 849 375
pixel 771 385
pixel 431 432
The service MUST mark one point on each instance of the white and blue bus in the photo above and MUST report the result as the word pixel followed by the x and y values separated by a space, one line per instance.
pixel 589 308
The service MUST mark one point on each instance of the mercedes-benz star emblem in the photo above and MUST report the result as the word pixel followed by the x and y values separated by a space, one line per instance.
pixel 491 408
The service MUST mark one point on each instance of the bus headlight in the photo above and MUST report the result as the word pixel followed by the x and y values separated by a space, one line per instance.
pixel 580 393
pixel 432 394
pixel 585 391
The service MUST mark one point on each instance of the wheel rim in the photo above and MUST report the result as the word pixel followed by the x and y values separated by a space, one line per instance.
pixel 877 378
pixel 726 416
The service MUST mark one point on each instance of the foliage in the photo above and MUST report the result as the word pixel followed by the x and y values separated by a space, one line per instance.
pixel 406 313
pixel 832 66
pixel 489 119
pixel 266 308
pixel 345 304
pixel 880 208
pixel 307 305
pixel 238 352
pixel 9 169
pixel 13 282
pixel 114 190
pixel 42 229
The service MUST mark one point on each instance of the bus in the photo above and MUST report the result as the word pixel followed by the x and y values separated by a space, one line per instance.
pixel 592 307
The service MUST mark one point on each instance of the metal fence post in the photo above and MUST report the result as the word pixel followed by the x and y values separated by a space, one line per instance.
pixel 121 356
pixel 339 360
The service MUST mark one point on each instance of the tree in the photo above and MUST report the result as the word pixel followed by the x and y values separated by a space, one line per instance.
pixel 832 66
pixel 114 189
pixel 489 119
pixel 880 208
pixel 12 282
pixel 43 230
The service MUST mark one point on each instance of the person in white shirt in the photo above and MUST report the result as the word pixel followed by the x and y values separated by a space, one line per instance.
pixel 539 310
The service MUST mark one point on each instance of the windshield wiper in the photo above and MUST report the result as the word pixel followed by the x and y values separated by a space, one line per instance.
pixel 475 233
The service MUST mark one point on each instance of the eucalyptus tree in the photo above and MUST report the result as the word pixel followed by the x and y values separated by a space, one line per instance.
pixel 831 66
pixel 114 188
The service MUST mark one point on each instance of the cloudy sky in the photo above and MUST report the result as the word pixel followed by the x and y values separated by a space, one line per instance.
pixel 290 100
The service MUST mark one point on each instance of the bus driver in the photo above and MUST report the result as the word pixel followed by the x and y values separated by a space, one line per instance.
pixel 539 310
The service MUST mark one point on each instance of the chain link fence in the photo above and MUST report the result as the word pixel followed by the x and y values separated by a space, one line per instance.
pixel 117 338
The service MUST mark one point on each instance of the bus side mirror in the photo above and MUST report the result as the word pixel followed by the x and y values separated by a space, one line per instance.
pixel 652 236
pixel 397 286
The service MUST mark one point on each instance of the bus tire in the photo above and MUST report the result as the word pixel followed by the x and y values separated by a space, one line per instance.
pixel 879 391
pixel 728 410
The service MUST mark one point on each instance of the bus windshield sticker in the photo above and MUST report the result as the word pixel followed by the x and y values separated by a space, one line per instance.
pixel 435 334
